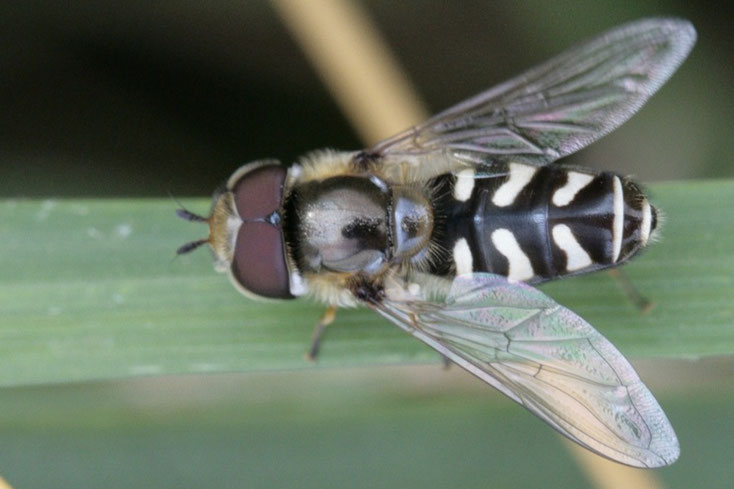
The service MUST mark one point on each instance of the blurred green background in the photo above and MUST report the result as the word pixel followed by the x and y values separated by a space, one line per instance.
pixel 129 99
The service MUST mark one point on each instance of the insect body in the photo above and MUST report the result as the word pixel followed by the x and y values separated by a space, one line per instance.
pixel 440 229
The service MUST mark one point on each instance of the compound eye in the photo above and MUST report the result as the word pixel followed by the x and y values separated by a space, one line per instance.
pixel 258 191
pixel 259 264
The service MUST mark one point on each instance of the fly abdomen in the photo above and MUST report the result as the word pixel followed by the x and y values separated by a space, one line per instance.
pixel 597 220
pixel 535 224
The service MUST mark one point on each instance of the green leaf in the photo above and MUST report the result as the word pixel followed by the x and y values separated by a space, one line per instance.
pixel 90 289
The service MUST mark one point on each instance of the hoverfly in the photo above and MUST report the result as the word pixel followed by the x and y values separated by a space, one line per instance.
pixel 444 228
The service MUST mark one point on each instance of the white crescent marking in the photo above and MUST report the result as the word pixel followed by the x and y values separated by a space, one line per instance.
pixel 576 257
pixel 520 176
pixel 463 257
pixel 464 185
pixel 646 226
pixel 576 181
pixel 520 267
pixel 618 223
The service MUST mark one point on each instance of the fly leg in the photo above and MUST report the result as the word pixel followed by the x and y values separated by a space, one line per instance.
pixel 326 319
pixel 640 301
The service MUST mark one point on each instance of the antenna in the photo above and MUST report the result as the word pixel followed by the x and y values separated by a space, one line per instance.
pixel 190 216
pixel 187 215
pixel 189 247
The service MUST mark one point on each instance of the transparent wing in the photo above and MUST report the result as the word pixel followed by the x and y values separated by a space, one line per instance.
pixel 545 357
pixel 560 106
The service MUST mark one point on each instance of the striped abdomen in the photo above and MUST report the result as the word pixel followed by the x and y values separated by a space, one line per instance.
pixel 537 223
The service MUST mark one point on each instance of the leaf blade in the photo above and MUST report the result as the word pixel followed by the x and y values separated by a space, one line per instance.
pixel 89 290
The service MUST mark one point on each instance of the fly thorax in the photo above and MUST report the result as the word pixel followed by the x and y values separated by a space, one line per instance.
pixel 411 222
pixel 342 225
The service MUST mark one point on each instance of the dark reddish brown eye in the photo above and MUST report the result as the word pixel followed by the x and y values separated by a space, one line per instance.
pixel 259 260
pixel 259 192
pixel 259 263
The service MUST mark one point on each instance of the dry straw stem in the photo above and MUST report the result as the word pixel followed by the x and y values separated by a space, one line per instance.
pixel 605 474
pixel 355 64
